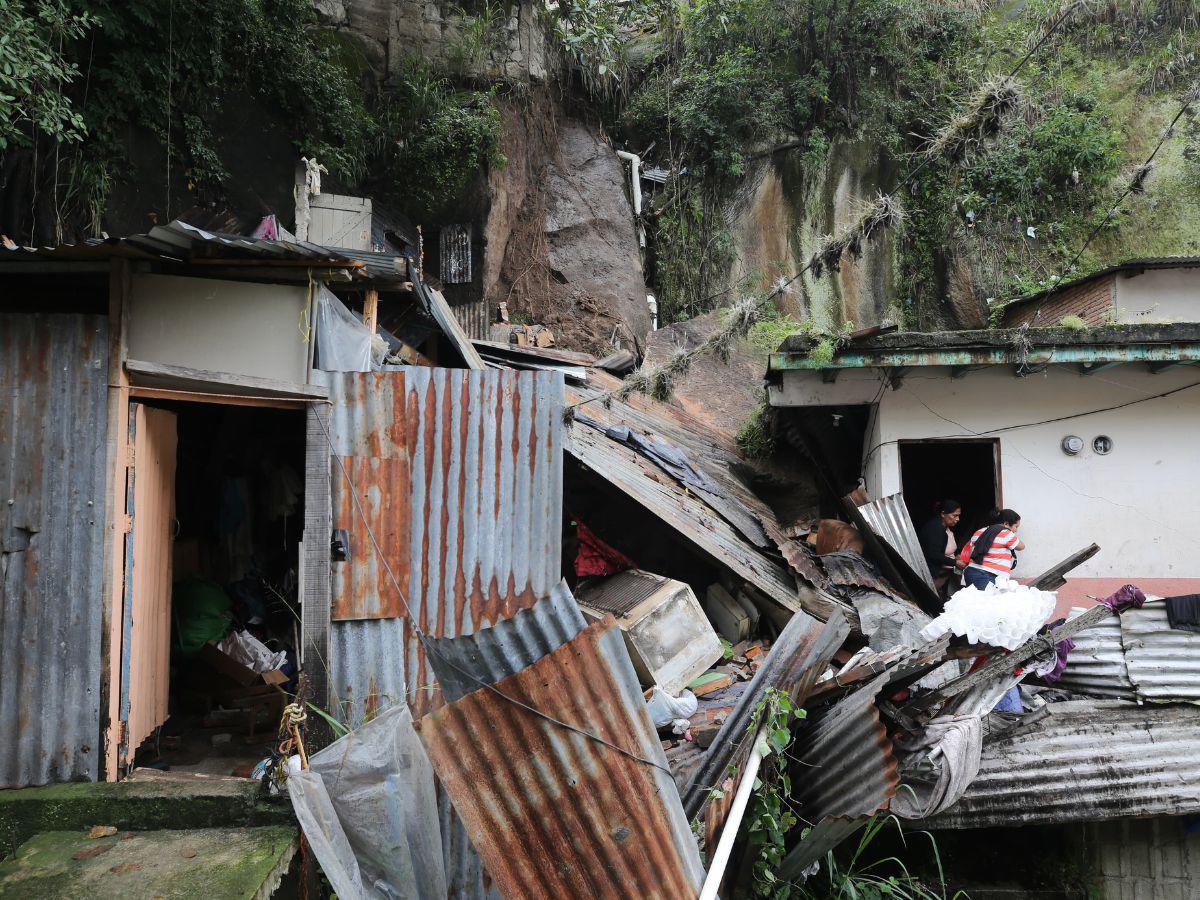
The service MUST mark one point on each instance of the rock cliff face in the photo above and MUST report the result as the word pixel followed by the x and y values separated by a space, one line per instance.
pixel 514 47
pixel 780 215
pixel 561 247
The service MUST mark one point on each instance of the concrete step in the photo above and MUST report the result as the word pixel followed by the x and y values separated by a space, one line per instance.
pixel 209 863
pixel 145 801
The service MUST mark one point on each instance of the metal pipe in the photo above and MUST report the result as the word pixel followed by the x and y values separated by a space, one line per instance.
pixel 741 799
pixel 635 187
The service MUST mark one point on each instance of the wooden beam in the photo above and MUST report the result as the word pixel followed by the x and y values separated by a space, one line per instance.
pixel 1054 577
pixel 163 376
pixel 223 399
pixel 1007 663
pixel 371 311
pixel 1093 368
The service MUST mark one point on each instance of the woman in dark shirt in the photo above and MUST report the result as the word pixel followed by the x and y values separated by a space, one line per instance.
pixel 937 541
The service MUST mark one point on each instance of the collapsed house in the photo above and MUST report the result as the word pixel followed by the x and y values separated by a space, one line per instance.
pixel 548 613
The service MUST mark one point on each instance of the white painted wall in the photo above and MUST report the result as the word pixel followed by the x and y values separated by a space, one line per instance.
pixel 1140 503
pixel 220 326
pixel 1158 295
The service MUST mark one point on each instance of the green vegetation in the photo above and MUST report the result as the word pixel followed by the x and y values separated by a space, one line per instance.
pixel 756 437
pixel 82 80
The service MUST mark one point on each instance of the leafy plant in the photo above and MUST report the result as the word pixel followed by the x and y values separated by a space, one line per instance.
pixel 770 815
pixel 480 33
pixel 36 69
pixel 858 879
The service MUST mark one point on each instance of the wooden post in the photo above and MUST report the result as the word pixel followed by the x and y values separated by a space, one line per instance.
pixel 117 460
pixel 371 310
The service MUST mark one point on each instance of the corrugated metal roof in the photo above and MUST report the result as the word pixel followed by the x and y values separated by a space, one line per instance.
pixel 554 813
pixel 889 518
pixel 847 759
pixel 459 474
pixel 730 528
pixel 796 660
pixel 1097 664
pixel 1087 760
pixel 1163 662
pixel 498 651
pixel 846 568
pixel 53 432
pixel 1138 657
pixel 179 241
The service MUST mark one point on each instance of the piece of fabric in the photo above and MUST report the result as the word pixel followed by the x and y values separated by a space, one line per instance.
pixel 1010 702
pixel 1128 597
pixel 1052 668
pixel 595 557
pixel 200 611
pixel 344 343
pixel 953 745
pixel 1183 613
pixel 999 558
pixel 663 453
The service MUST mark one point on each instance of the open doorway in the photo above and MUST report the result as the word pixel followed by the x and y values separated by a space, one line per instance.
pixel 964 470
pixel 216 521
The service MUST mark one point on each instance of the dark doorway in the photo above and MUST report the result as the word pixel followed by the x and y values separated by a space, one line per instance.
pixel 966 471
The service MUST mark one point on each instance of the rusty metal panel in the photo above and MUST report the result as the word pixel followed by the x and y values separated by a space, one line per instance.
pixel 1163 662
pixel 1087 760
pixel 146 677
pixel 454 249
pixel 554 813
pixel 889 518
pixel 1097 664
pixel 491 654
pixel 458 475
pixel 796 660
pixel 53 499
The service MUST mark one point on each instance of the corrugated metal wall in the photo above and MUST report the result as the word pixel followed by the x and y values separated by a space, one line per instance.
pixel 459 474
pixel 53 431
pixel 454 251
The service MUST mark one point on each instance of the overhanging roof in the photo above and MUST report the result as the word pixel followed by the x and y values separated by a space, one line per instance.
pixel 181 243
pixel 1026 348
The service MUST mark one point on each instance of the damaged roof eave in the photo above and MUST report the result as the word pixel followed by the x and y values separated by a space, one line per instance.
pixel 1179 342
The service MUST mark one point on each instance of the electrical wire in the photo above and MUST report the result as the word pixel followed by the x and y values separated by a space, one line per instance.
pixel 432 648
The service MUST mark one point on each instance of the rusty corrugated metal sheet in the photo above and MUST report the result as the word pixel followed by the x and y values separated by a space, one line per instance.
pixel 554 813
pixel 504 649
pixel 889 518
pixel 796 660
pixel 847 760
pixel 1163 662
pixel 845 568
pixel 1097 664
pixel 454 249
pixel 459 474
pixel 145 691
pixel 53 432
pixel 1087 760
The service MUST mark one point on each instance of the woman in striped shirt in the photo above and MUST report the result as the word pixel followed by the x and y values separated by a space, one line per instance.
pixel 991 551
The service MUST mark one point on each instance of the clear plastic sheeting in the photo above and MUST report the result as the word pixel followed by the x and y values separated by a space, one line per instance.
pixel 1006 614
pixel 245 648
pixel 368 809
pixel 344 344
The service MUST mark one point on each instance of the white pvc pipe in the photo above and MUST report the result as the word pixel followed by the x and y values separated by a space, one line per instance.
pixel 635 186
pixel 716 870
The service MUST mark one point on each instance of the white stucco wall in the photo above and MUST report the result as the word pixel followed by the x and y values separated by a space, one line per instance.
pixel 1140 503
pixel 220 326
pixel 1158 295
